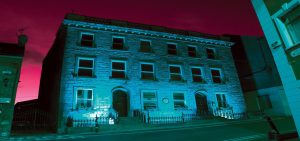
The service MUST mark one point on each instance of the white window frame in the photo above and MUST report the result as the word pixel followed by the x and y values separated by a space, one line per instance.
pixel 201 70
pixel 222 100
pixel 195 50
pixel 184 99
pixel 221 75
pixel 85 58
pixel 147 63
pixel 175 73
pixel 120 37
pixel 76 97
pixel 283 31
pixel 122 61
pixel 87 33
pixel 154 101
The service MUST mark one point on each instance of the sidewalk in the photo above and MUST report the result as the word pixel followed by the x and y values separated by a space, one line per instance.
pixel 134 127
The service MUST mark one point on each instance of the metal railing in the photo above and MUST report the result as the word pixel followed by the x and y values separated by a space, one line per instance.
pixel 147 118
pixel 92 122
pixel 31 120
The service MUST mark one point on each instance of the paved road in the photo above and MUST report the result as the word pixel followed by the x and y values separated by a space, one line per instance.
pixel 239 131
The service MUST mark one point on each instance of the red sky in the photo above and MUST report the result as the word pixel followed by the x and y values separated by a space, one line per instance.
pixel 41 19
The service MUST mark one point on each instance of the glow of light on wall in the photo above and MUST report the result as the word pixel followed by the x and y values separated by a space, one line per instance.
pixel 111 121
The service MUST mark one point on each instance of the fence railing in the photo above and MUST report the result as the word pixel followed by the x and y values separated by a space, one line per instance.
pixel 147 118
pixel 92 122
pixel 31 120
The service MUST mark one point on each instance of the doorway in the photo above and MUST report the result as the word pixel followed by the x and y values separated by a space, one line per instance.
pixel 120 102
pixel 201 103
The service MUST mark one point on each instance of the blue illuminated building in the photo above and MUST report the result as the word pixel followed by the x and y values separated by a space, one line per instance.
pixel 110 68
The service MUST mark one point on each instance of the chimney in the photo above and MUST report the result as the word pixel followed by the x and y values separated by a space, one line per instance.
pixel 22 39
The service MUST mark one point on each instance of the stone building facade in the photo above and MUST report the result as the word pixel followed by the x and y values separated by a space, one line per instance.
pixel 11 57
pixel 122 67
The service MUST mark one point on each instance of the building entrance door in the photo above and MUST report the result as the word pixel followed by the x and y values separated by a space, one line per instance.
pixel 201 102
pixel 120 103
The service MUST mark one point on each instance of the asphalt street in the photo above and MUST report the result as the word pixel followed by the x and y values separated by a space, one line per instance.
pixel 239 131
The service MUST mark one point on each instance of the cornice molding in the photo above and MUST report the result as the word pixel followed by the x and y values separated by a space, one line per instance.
pixel 151 33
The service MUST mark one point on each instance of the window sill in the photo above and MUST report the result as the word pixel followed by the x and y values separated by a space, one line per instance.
pixel 116 78
pixel 146 52
pixel 79 45
pixel 195 57
pixel 222 83
pixel 181 81
pixel 75 75
pixel 120 49
pixel 154 79
pixel 202 82
pixel 214 59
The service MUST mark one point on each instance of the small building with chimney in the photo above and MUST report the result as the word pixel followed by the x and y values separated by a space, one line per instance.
pixel 110 68
pixel 11 57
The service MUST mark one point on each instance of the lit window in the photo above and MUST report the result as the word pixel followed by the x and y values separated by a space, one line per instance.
pixel 216 75
pixel 211 54
pixel 87 39
pixel 179 101
pixel 197 74
pixel 145 46
pixel 192 51
pixel 147 71
pixel 118 43
pixel 221 100
pixel 175 72
pixel 84 98
pixel 118 69
pixel 85 67
pixel 172 49
pixel 149 100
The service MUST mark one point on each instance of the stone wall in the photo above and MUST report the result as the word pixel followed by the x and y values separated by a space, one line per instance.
pixel 103 85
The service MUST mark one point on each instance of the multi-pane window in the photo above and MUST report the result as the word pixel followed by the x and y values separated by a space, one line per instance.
pixel 149 100
pixel 84 98
pixel 197 74
pixel 87 39
pixel 85 67
pixel 172 49
pixel 118 43
pixel 211 53
pixel 216 75
pixel 175 72
pixel 289 25
pixel 178 98
pixel 118 69
pixel 221 100
pixel 147 71
pixel 145 46
pixel 293 27
pixel 192 51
